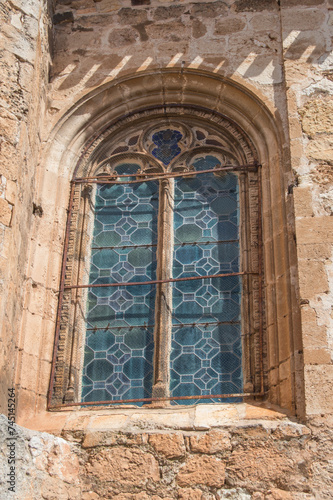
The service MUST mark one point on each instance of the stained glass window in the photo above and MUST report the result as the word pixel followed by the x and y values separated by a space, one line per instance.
pixel 118 359
pixel 206 342
pixel 205 350
pixel 160 298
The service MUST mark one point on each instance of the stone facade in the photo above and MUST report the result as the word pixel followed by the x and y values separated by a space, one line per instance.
pixel 72 68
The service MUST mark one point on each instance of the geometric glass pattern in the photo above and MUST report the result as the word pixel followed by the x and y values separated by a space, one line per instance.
pixel 167 145
pixel 206 353
pixel 118 359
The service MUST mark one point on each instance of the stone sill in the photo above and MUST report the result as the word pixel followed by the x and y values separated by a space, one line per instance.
pixel 137 420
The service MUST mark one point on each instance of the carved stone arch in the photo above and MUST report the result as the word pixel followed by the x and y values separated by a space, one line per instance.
pixel 80 139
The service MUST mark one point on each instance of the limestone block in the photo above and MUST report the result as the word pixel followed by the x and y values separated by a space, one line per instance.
pixel 199 29
pixel 108 422
pixel 138 496
pixel 260 22
pixel 30 7
pixel 317 357
pixel 303 3
pixel 103 438
pixel 317 116
pixel 207 416
pixel 123 37
pixel 238 494
pixel 9 126
pixel 172 31
pixel 132 16
pixel 300 47
pixel 128 466
pixel 314 230
pixel 260 463
pixel 32 332
pixel 303 201
pixel 19 44
pixel 11 191
pixel 302 19
pixel 255 5
pixel 106 6
pixel 175 420
pixel 210 443
pixel 209 10
pixel 208 471
pixel 54 489
pixel 314 335
pixel 318 389
pixel 5 212
pixel 172 11
pixel 228 26
pixel 189 494
pixel 28 368
pixel 169 445
pixel 312 278
pixel 321 148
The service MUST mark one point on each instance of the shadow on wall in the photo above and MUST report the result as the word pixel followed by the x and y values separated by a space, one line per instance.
pixel 91 51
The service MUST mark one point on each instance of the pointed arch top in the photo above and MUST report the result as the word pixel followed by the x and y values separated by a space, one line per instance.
pixel 238 110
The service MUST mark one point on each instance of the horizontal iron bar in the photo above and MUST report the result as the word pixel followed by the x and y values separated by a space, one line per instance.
pixel 155 282
pixel 175 244
pixel 176 398
pixel 174 325
pixel 109 179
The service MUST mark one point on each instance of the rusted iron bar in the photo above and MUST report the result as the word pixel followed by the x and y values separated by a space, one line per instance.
pixel 176 244
pixel 146 177
pixel 155 282
pixel 170 398
pixel 174 325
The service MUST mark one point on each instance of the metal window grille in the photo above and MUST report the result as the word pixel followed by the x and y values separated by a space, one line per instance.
pixel 139 322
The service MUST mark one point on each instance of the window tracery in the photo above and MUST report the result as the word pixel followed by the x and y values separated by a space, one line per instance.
pixel 168 202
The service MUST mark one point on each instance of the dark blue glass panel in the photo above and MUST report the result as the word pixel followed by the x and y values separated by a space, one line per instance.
pixel 206 353
pixel 118 362
pixel 167 145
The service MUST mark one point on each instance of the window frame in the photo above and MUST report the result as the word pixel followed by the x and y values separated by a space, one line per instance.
pixel 78 236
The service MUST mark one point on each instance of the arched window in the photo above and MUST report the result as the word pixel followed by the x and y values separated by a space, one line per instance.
pixel 162 301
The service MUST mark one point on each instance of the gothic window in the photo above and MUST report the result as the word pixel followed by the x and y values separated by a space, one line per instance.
pixel 161 301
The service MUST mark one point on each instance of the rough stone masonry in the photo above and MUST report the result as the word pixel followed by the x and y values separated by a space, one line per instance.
pixel 53 57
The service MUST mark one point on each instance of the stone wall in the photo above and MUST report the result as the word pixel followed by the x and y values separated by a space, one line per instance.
pixel 24 63
pixel 281 55
pixel 265 458
pixel 308 78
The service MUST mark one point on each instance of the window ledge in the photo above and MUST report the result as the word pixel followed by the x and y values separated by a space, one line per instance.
pixel 136 420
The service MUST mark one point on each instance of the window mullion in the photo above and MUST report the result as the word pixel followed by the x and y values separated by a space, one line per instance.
pixel 163 310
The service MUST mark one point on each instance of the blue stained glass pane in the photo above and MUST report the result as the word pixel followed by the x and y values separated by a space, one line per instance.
pixel 119 338
pixel 206 210
pixel 167 145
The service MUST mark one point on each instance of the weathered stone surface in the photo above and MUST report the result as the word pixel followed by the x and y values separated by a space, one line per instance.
pixel 132 16
pixel 314 230
pixel 129 467
pixel 190 494
pixel 309 19
pixel 208 471
pixel 229 26
pixel 255 5
pixel 123 37
pixel 172 11
pixel 308 287
pixel 257 466
pixel 207 10
pixel 169 445
pixel 212 442
pixel 5 212
pixel 317 116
